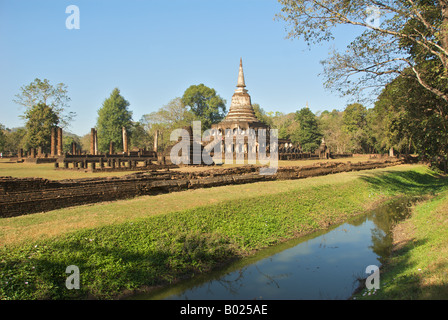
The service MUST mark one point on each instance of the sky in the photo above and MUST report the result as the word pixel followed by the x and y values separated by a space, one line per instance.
pixel 153 50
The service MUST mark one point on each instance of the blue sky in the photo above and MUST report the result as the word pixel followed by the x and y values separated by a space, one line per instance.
pixel 153 50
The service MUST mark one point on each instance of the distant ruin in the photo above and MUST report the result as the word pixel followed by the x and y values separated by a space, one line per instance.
pixel 20 196
pixel 241 119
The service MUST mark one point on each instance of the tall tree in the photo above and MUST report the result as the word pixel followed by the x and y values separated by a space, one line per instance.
pixel 410 122
pixel 308 134
pixel 174 115
pixel 40 120
pixel 42 92
pixel 331 124
pixel 2 138
pixel 355 125
pixel 205 103
pixel 396 36
pixel 139 137
pixel 262 115
pixel 112 117
pixel 15 139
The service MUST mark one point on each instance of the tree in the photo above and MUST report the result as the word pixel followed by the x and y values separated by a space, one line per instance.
pixel 2 138
pixel 330 124
pixel 205 103
pixel 410 123
pixel 407 38
pixel 355 125
pixel 173 115
pixel 40 120
pixel 85 142
pixel 112 117
pixel 308 134
pixel 14 139
pixel 42 92
pixel 139 137
pixel 262 115
pixel 68 139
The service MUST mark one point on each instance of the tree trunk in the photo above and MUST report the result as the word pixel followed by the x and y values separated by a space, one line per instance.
pixel 444 34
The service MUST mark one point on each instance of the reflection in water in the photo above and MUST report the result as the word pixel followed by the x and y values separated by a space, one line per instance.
pixel 324 265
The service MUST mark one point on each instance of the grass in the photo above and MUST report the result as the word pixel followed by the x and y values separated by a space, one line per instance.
pixel 167 244
pixel 39 226
pixel 47 171
pixel 418 269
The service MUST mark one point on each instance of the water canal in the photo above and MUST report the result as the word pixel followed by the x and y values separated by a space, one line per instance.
pixel 323 265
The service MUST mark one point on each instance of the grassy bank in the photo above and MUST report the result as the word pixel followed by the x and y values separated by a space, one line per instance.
pixel 418 269
pixel 160 248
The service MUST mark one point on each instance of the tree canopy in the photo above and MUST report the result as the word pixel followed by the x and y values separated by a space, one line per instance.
pixel 42 92
pixel 112 117
pixel 308 134
pixel 205 104
pixel 40 120
pixel 174 115
pixel 2 138
pixel 406 35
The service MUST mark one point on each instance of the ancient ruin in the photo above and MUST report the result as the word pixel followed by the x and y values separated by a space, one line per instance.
pixel 20 196
pixel 241 120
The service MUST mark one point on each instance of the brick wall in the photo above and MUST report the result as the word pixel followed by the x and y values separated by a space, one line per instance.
pixel 24 196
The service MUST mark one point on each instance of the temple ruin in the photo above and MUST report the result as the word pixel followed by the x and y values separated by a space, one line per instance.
pixel 240 121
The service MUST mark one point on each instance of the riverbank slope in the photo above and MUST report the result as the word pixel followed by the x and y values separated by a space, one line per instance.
pixel 147 250
pixel 418 267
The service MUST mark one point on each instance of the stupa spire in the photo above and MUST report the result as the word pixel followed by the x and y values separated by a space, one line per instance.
pixel 241 75
pixel 241 84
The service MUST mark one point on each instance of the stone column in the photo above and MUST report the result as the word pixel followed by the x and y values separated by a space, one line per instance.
pixel 39 152
pixel 156 140
pixel 111 147
pixel 73 147
pixel 92 141
pixel 59 139
pixel 53 142
pixel 125 140
pixel 95 147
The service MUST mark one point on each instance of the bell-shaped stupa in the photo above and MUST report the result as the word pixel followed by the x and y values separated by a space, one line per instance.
pixel 241 113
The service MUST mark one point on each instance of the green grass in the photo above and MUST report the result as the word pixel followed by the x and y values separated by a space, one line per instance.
pixel 47 171
pixel 40 226
pixel 418 269
pixel 158 249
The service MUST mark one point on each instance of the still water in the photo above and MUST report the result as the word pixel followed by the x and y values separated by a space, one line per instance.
pixel 323 265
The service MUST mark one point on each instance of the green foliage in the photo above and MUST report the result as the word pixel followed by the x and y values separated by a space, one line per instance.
pixel 308 134
pixel 112 117
pixel 262 115
pixel 331 124
pixel 14 139
pixel 2 138
pixel 417 270
pixel 40 120
pixel 406 34
pixel 173 115
pixel 42 92
pixel 67 142
pixel 139 137
pixel 156 250
pixel 356 127
pixel 205 103
pixel 286 125
pixel 414 119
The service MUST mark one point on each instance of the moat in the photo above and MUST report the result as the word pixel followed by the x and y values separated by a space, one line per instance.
pixel 323 265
